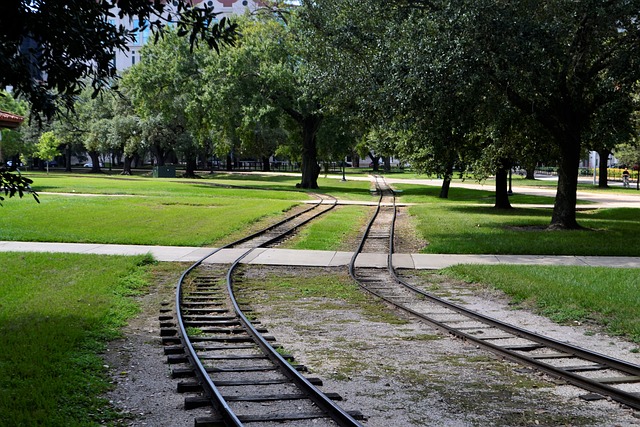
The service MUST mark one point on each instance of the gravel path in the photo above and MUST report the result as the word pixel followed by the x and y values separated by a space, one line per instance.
pixel 400 373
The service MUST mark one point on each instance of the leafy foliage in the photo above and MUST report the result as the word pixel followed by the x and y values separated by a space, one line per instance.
pixel 12 184
pixel 50 49
pixel 475 81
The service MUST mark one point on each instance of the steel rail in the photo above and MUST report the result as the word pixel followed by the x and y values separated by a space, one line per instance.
pixel 630 399
pixel 335 412
pixel 217 400
pixel 352 263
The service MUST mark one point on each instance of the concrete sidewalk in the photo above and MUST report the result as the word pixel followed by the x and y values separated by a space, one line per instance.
pixel 314 258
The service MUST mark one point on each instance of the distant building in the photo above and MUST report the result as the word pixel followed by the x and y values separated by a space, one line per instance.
pixel 131 56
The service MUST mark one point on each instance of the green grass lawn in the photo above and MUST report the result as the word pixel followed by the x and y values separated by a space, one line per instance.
pixel 57 312
pixel 467 223
pixel 147 211
pixel 607 296
pixel 347 190
pixel 472 229
pixel 340 226
pixel 142 210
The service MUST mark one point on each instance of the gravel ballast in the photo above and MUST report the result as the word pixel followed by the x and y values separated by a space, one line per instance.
pixel 400 373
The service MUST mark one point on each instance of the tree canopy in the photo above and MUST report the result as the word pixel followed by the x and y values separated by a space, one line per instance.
pixel 49 49
pixel 456 73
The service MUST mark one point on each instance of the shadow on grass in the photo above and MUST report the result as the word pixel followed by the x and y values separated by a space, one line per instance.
pixel 69 347
pixel 507 213
pixel 279 183
pixel 455 194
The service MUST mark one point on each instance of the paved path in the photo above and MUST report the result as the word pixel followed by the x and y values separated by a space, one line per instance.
pixel 314 258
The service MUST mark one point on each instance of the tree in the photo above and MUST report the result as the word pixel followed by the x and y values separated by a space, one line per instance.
pixel 266 70
pixel 47 147
pixel 126 134
pixel 51 49
pixel 163 88
pixel 561 63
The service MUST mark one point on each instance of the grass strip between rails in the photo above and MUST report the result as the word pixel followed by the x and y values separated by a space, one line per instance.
pixel 57 311
pixel 313 289
pixel 608 296
pixel 334 231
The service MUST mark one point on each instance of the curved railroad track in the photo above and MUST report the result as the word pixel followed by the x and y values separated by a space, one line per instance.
pixel 602 375
pixel 232 365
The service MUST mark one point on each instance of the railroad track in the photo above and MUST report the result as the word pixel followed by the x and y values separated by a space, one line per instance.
pixel 227 361
pixel 601 375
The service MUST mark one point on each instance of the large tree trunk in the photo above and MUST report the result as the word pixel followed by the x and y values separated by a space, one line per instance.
pixel 386 164
pixel 126 166
pixel 603 180
pixel 564 209
pixel 531 173
pixel 159 154
pixel 356 160
pixel 310 167
pixel 530 168
pixel 95 162
pixel 375 162
pixel 266 166
pixel 502 191
pixel 446 183
pixel 67 158
pixel 192 162
pixel 229 163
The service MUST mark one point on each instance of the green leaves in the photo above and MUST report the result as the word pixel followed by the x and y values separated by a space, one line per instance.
pixel 72 44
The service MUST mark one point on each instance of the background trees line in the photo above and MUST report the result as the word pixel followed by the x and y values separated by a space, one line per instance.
pixel 467 86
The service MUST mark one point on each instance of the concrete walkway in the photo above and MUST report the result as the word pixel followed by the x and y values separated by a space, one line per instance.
pixel 314 258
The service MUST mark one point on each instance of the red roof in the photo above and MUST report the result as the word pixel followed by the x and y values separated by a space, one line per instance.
pixel 9 120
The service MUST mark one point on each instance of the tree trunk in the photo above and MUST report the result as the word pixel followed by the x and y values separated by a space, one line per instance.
pixel 530 168
pixel 192 162
pixel 229 163
pixel 266 166
pixel 67 158
pixel 159 155
pixel 386 164
pixel 564 209
pixel 310 167
pixel 374 161
pixel 502 190
pixel 603 180
pixel 531 173
pixel 446 183
pixel 126 166
pixel 95 162
pixel 356 160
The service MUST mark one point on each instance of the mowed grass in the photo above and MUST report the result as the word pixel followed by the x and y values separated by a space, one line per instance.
pixel 57 311
pixel 608 296
pixel 333 230
pixel 461 224
pixel 138 211
pixel 350 189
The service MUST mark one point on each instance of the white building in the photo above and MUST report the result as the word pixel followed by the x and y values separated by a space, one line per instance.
pixel 127 58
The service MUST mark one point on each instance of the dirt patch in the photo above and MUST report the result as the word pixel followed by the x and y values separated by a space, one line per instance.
pixel 407 239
